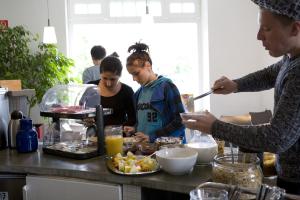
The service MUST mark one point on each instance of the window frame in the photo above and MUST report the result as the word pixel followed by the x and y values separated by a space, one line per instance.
pixel 166 17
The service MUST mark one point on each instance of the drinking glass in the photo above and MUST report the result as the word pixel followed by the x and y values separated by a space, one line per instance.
pixel 208 194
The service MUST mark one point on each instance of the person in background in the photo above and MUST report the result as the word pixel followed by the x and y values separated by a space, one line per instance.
pixel 92 73
pixel 114 94
pixel 158 101
pixel 279 32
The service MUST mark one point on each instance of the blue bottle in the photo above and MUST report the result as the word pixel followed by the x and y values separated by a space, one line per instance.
pixel 26 139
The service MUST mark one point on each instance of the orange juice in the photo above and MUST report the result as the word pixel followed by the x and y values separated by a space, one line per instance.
pixel 114 144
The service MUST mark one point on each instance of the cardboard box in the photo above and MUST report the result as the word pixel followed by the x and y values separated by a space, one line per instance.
pixel 12 85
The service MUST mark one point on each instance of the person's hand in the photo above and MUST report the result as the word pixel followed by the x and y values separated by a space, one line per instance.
pixel 128 130
pixel 224 86
pixel 141 137
pixel 202 121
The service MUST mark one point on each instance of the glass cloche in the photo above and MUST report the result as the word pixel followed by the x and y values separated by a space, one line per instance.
pixel 75 126
pixel 71 98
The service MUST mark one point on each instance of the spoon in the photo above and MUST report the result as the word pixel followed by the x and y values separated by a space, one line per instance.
pixel 152 154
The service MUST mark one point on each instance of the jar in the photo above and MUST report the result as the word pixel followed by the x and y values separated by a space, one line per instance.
pixel 221 146
pixel 234 170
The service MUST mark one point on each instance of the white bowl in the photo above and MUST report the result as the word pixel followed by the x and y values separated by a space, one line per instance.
pixel 188 115
pixel 177 161
pixel 206 151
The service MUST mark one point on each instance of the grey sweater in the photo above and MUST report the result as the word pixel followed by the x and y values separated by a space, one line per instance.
pixel 282 134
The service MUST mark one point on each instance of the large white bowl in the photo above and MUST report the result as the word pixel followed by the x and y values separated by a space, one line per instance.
pixel 206 151
pixel 177 161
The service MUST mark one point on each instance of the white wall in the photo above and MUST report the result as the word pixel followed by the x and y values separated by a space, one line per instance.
pixel 233 48
pixel 33 15
pixel 233 52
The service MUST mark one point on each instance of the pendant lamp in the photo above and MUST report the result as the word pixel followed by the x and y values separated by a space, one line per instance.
pixel 49 36
pixel 147 19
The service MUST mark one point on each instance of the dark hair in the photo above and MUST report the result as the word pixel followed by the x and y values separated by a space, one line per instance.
pixel 114 54
pixel 98 52
pixel 111 64
pixel 140 52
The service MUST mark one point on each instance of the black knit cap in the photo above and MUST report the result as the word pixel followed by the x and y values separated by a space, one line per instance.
pixel 290 8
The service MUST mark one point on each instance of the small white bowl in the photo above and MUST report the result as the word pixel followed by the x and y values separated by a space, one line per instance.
pixel 177 161
pixel 187 115
pixel 206 151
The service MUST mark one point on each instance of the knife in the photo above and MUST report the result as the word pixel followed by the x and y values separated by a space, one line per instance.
pixel 207 93
pixel 203 95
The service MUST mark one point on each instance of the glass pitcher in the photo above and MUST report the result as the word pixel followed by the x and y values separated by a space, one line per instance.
pixel 113 140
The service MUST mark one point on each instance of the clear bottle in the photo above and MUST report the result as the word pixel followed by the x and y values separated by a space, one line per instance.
pixel 234 170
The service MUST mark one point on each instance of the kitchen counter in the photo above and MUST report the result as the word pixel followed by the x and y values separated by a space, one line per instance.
pixel 38 163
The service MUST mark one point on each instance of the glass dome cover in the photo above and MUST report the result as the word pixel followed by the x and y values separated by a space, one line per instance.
pixel 70 97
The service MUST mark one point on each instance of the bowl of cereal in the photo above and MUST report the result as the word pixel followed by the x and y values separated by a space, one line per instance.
pixel 168 140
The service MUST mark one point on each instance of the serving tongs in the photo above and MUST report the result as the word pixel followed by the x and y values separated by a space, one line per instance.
pixel 264 192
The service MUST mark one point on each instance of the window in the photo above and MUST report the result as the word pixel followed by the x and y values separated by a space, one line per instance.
pixel 173 36
pixel 88 8
pixel 182 7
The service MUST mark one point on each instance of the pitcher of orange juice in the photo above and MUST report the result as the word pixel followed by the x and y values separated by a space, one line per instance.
pixel 113 140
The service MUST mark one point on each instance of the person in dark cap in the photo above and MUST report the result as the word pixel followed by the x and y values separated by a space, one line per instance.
pixel 279 33
pixel 92 73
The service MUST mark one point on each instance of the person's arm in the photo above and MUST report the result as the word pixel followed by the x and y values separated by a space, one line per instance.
pixel 261 80
pixel 257 81
pixel 278 136
pixel 175 107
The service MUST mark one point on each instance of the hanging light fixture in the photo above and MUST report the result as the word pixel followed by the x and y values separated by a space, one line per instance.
pixel 147 19
pixel 49 36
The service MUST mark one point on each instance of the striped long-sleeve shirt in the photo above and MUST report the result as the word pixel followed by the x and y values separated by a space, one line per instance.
pixel 282 134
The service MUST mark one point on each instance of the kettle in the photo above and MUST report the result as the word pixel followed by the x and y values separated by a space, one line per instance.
pixel 13 127
pixel 26 139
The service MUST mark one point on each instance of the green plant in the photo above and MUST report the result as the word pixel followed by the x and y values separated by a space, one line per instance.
pixel 38 66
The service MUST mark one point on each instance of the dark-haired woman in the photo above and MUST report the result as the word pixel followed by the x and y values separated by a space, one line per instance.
pixel 158 103
pixel 114 94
